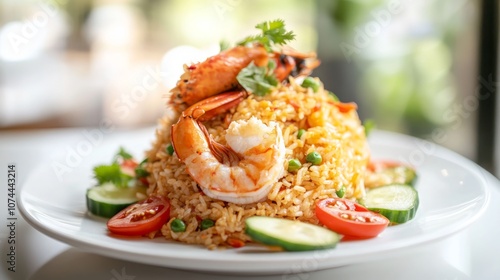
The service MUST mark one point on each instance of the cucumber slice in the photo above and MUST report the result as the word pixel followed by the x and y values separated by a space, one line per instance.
pixel 404 175
pixel 397 202
pixel 107 200
pixel 290 235
pixel 388 173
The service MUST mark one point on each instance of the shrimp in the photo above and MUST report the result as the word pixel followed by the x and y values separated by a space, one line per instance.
pixel 242 172
pixel 218 73
pixel 215 75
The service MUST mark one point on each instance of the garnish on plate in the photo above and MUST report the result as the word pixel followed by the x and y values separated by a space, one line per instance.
pixel 119 185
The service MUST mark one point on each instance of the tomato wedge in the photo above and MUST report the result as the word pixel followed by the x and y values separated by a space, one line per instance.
pixel 141 218
pixel 349 218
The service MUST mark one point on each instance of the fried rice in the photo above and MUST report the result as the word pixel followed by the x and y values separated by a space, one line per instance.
pixel 337 136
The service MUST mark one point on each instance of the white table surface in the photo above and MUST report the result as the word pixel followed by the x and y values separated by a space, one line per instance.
pixel 470 254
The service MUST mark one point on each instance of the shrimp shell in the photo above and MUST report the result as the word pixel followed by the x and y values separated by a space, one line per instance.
pixel 215 75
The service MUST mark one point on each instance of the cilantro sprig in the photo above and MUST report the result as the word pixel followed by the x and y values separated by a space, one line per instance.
pixel 115 172
pixel 273 33
pixel 122 154
pixel 112 174
pixel 258 80
pixel 261 80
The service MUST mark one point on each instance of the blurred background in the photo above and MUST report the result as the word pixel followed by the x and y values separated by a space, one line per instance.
pixel 412 66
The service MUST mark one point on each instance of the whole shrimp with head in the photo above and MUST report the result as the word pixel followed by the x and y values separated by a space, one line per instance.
pixel 219 73
pixel 245 170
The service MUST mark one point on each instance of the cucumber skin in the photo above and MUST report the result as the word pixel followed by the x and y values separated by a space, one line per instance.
pixel 399 217
pixel 412 176
pixel 104 210
pixel 396 216
pixel 287 246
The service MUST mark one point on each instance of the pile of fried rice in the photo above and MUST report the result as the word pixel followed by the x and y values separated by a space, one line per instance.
pixel 338 136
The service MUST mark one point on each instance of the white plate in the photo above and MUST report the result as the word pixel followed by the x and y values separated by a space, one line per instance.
pixel 452 194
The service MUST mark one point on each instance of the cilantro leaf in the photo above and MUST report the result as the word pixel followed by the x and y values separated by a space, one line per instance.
pixel 369 125
pixel 140 171
pixel 224 45
pixel 112 174
pixel 258 80
pixel 122 154
pixel 273 33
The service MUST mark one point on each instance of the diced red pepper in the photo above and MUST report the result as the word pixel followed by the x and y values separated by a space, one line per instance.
pixel 346 107
pixel 235 242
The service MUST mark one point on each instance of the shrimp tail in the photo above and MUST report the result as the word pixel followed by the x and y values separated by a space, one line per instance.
pixel 245 169
pixel 293 63
pixel 223 154
pixel 190 122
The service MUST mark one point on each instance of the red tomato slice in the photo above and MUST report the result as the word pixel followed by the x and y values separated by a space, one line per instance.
pixel 141 218
pixel 128 167
pixel 349 218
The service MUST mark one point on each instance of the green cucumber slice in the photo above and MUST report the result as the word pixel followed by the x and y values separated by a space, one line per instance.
pixel 107 200
pixel 290 235
pixel 403 175
pixel 393 175
pixel 397 202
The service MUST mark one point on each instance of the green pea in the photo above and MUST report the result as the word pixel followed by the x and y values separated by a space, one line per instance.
pixel 294 165
pixel 170 149
pixel 178 225
pixel 206 223
pixel 340 192
pixel 314 158
pixel 310 82
pixel 300 133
